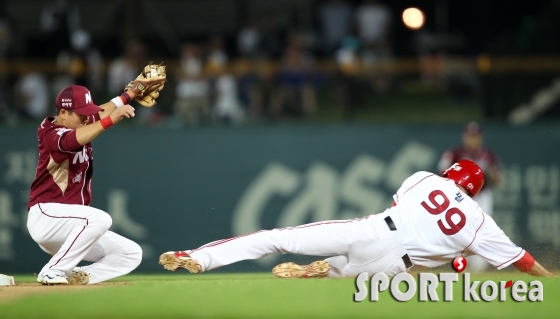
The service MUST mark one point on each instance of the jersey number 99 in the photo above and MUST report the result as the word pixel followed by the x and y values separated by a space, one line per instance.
pixel 436 208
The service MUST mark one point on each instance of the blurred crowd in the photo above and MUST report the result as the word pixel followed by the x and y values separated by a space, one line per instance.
pixel 264 71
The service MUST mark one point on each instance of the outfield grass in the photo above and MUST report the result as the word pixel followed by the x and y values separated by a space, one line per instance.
pixel 183 295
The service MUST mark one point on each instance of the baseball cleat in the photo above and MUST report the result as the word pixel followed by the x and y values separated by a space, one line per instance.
pixel 319 269
pixel 52 279
pixel 78 277
pixel 172 260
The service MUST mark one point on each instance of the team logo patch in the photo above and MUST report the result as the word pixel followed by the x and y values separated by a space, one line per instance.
pixel 66 103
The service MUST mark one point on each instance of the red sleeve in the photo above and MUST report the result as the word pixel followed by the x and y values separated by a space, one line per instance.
pixel 62 140
pixel 69 141
pixel 525 263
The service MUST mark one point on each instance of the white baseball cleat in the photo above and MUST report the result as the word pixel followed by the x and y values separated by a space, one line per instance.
pixel 173 260
pixel 319 269
pixel 78 277
pixel 52 279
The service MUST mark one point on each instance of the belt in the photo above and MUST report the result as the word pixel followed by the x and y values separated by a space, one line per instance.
pixel 392 227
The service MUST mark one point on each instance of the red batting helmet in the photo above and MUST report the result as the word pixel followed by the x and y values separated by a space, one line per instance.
pixel 467 174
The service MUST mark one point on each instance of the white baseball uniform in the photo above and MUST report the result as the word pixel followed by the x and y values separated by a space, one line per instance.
pixel 431 223
pixel 486 160
pixel 60 219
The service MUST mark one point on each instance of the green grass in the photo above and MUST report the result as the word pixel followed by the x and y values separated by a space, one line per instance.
pixel 182 295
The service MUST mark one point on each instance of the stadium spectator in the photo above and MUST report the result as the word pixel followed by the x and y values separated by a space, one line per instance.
pixel 31 94
pixel 59 19
pixel 126 67
pixel 347 81
pixel 335 22
pixel 248 40
pixel 192 92
pixel 273 38
pixel 252 87
pixel 226 105
pixel 295 95
pixel 83 62
pixel 474 150
pixel 374 21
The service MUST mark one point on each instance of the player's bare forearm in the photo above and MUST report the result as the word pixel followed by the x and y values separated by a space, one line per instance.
pixel 87 133
pixel 108 108
pixel 529 265
pixel 539 271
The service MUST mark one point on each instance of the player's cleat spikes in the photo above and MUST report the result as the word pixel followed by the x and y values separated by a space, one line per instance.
pixel 319 269
pixel 172 260
pixel 53 279
pixel 78 277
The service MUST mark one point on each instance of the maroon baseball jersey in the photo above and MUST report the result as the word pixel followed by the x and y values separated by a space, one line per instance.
pixel 63 175
pixel 483 157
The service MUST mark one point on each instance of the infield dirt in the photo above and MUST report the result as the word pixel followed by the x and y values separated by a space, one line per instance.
pixel 10 293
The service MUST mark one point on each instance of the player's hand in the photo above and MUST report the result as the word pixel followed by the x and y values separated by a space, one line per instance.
pixel 122 112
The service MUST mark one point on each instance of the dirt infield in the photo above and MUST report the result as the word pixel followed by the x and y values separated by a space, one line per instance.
pixel 10 293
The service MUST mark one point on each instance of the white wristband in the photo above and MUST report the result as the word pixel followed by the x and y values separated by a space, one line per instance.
pixel 117 101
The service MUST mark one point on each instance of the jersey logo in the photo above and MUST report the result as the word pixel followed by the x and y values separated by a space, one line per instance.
pixel 61 131
pixel 88 97
pixel 459 197
pixel 77 178
pixel 80 157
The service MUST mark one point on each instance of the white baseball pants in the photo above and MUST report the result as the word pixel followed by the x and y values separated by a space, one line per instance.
pixel 72 233
pixel 357 245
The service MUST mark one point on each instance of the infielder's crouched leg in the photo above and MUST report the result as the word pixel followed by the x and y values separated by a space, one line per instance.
pixel 67 232
pixel 113 256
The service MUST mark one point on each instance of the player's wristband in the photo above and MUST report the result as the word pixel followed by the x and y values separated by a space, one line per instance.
pixel 117 101
pixel 106 122
pixel 525 263
pixel 125 98
pixel 121 100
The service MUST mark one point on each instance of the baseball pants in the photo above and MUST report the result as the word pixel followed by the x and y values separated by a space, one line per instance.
pixel 72 233
pixel 355 246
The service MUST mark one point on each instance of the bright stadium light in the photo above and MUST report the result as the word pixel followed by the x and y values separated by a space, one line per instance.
pixel 413 18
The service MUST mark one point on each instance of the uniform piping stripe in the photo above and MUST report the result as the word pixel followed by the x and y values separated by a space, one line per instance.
pixel 85 178
pixel 476 232
pixel 219 242
pixel 87 222
pixel 500 265
pixel 418 182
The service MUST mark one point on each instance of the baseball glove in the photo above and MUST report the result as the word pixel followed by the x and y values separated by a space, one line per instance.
pixel 148 84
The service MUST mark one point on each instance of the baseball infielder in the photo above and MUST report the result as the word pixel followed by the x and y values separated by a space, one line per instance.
pixel 473 149
pixel 60 219
pixel 433 220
